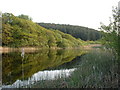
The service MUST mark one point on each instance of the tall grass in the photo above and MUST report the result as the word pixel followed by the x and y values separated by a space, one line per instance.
pixel 97 69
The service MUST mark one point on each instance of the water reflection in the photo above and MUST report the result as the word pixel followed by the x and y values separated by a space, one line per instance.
pixel 0 71
pixel 41 75
pixel 49 69
pixel 23 53
pixel 19 67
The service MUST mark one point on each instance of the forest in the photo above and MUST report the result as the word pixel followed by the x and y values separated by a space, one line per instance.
pixel 84 33
pixel 21 31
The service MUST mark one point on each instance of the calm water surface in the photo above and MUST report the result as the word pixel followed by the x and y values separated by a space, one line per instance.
pixel 29 69
pixel 21 69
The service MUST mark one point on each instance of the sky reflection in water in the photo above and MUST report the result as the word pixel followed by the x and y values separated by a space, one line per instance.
pixel 42 75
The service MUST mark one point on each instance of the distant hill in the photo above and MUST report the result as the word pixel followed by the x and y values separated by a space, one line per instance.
pixel 20 31
pixel 83 33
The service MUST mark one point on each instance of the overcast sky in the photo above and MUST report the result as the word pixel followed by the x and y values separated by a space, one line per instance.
pixel 88 13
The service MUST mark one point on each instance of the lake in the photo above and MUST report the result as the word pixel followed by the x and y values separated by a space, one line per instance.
pixel 64 68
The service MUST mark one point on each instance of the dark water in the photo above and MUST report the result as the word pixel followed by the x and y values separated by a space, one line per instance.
pixel 23 69
pixel 45 67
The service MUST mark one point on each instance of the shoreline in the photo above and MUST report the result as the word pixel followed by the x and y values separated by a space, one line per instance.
pixel 90 46
pixel 29 49
pixel 9 49
pixel 33 49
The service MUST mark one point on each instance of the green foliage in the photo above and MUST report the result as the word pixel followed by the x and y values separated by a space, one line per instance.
pixel 83 33
pixel 21 32
pixel 111 35
pixel 25 17
pixel 6 18
pixel 7 34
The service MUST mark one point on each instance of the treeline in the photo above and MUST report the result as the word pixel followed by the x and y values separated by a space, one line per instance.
pixel 83 33
pixel 20 31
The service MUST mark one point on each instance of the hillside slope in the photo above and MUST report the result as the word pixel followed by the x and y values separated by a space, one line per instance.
pixel 81 32
pixel 19 32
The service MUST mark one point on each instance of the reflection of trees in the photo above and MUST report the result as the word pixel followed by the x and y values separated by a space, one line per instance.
pixel 0 70
pixel 13 66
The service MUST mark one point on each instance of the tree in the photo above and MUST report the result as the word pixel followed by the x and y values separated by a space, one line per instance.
pixel 7 18
pixel 111 32
pixel 25 17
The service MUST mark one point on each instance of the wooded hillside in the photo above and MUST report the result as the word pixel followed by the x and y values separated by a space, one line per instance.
pixel 83 33
pixel 20 31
